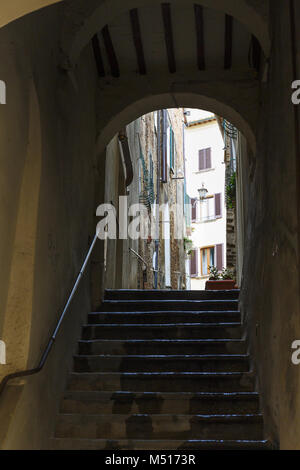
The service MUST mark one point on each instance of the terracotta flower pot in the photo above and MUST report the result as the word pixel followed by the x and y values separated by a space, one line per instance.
pixel 220 285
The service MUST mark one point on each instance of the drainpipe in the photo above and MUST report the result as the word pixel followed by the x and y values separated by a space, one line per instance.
pixel 157 199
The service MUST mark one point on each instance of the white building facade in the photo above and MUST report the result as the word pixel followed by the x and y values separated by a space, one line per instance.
pixel 205 168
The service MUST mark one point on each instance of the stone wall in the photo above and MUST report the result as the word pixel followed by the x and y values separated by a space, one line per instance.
pixel 231 240
pixel 122 268
pixel 147 139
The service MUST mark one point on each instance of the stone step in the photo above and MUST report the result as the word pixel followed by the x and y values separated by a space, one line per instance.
pixel 170 295
pixel 163 331
pixel 159 402
pixel 164 317
pixel 139 444
pixel 169 305
pixel 160 426
pixel 146 363
pixel 163 381
pixel 166 346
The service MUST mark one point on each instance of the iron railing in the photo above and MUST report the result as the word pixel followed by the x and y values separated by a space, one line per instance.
pixel 44 357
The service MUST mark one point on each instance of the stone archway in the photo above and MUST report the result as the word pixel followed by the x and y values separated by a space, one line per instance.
pixel 237 107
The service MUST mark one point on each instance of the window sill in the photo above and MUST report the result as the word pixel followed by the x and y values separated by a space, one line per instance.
pixel 198 172
pixel 200 278
pixel 214 219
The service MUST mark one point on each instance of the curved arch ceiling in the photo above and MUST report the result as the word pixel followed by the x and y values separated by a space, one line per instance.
pixel 11 10
pixel 94 19
pixel 95 14
pixel 136 109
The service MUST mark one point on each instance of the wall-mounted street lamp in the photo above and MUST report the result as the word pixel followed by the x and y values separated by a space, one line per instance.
pixel 202 195
pixel 202 192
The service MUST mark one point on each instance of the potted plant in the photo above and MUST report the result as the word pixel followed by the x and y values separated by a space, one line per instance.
pixel 220 281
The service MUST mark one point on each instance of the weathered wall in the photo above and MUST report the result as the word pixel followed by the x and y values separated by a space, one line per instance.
pixel 271 276
pixel 170 192
pixel 111 197
pixel 47 204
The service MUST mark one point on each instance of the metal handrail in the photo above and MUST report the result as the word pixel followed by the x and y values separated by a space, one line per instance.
pixel 48 348
pixel 139 257
pixel 158 271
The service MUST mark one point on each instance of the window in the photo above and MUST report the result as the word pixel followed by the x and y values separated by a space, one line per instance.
pixel 164 155
pixel 168 143
pixel 207 259
pixel 194 203
pixel 207 209
pixel 212 256
pixel 194 263
pixel 156 120
pixel 172 149
pixel 211 208
pixel 218 206
pixel 220 257
pixel 204 159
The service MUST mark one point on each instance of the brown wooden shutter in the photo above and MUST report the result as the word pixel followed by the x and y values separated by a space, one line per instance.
pixel 194 209
pixel 208 158
pixel 202 160
pixel 164 157
pixel 218 206
pixel 220 250
pixel 194 263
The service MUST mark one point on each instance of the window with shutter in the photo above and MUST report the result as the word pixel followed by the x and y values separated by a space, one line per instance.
pixel 208 158
pixel 164 153
pixel 220 250
pixel 194 209
pixel 218 205
pixel 201 160
pixel 172 149
pixel 205 159
pixel 194 263
pixel 207 259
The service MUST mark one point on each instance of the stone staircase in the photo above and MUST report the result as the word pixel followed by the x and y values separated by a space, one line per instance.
pixel 162 370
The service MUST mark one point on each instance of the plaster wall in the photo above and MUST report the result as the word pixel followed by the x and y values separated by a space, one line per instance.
pixel 209 232
pixel 47 148
pixel 270 294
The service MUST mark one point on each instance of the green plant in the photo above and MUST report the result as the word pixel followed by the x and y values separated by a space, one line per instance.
pixel 231 192
pixel 213 273
pixel 227 274
pixel 188 245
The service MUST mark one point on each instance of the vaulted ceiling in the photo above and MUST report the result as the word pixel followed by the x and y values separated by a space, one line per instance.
pixel 151 54
pixel 167 39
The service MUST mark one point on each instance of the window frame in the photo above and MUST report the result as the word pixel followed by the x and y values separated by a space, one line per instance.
pixel 201 258
pixel 206 168
pixel 207 218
